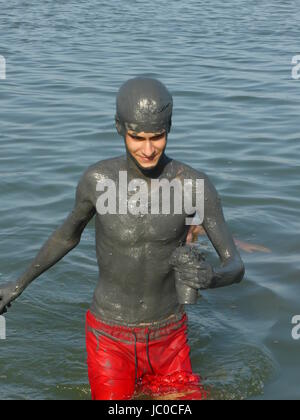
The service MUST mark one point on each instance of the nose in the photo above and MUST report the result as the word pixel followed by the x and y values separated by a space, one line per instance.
pixel 148 149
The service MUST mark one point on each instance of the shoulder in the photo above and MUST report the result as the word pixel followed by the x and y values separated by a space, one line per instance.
pixel 106 168
pixel 97 172
pixel 184 170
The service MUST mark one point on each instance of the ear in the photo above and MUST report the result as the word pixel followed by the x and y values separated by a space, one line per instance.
pixel 119 126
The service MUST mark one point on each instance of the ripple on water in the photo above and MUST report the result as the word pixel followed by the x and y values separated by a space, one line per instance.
pixel 238 375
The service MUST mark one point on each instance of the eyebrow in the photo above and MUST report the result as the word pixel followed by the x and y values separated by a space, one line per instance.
pixel 142 138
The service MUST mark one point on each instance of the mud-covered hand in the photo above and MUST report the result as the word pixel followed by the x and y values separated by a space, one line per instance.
pixel 198 278
pixel 191 268
pixel 8 293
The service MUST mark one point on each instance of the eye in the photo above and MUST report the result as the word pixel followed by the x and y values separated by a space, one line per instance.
pixel 158 137
pixel 135 137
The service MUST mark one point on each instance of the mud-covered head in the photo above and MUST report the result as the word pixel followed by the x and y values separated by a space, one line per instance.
pixel 143 105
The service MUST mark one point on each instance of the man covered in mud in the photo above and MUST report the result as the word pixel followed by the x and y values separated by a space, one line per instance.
pixel 136 327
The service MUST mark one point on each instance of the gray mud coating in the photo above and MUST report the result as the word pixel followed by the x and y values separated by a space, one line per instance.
pixel 143 105
pixel 189 263
pixel 136 280
pixel 187 255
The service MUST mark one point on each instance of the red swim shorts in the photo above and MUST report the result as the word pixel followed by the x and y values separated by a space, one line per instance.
pixel 124 361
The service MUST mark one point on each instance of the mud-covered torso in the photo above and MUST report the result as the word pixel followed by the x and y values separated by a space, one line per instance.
pixel 136 283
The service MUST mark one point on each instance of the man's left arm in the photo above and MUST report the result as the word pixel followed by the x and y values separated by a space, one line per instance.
pixel 232 268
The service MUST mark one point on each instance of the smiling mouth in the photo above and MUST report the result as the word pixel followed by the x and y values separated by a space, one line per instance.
pixel 148 159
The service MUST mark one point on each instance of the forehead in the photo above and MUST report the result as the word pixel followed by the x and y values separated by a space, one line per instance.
pixel 144 134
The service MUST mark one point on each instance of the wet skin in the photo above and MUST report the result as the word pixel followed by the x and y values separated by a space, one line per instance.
pixel 136 281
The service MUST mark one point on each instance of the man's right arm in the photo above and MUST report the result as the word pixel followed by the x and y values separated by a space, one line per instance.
pixel 61 242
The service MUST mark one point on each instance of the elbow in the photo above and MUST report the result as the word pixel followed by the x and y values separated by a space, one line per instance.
pixel 229 275
pixel 240 273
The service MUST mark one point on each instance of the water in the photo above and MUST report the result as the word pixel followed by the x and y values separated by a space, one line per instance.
pixel 236 117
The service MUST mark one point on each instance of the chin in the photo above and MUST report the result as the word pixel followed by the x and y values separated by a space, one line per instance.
pixel 150 165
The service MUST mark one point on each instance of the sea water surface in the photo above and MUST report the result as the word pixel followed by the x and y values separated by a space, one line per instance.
pixel 236 117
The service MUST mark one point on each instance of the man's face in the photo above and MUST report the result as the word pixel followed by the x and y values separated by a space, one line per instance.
pixel 146 148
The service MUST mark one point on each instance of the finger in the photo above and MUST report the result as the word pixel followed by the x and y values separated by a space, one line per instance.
pixel 190 282
pixel 192 285
pixel 187 267
pixel 192 228
pixel 205 272
pixel 199 230
pixel 187 273
pixel 259 248
pixel 186 279
pixel 263 249
pixel 189 238
pixel 194 238
pixel 250 248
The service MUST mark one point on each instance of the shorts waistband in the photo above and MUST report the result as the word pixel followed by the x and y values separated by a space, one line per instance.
pixel 128 334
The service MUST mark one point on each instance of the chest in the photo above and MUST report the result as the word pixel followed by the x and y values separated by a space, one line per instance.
pixel 132 211
pixel 129 229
